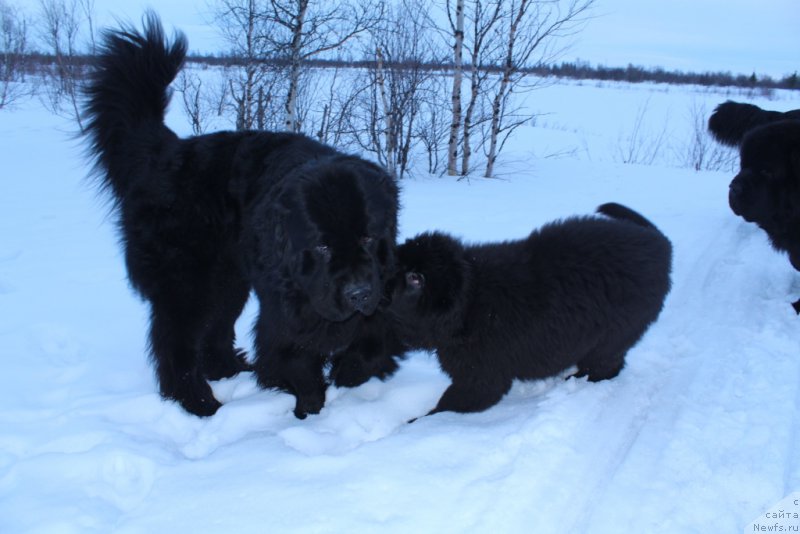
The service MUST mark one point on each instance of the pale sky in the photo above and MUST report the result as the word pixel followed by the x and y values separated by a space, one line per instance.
pixel 740 36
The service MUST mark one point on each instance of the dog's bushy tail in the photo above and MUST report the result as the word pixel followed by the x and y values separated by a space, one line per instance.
pixel 127 97
pixel 731 120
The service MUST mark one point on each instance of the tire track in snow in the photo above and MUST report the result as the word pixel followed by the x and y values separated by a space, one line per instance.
pixel 698 412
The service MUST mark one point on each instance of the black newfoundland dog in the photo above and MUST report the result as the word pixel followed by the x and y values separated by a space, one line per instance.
pixel 732 120
pixel 206 219
pixel 577 292
pixel 766 191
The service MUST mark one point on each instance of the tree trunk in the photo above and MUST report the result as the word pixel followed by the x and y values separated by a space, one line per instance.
pixel 475 85
pixel 389 138
pixel 455 124
pixel 497 105
pixel 290 122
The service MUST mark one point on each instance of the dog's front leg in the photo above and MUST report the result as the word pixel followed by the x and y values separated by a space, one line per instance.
pixel 294 370
pixel 303 373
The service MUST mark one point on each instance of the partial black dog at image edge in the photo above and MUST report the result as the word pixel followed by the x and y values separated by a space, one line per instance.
pixel 204 220
pixel 766 191
pixel 579 292
pixel 731 120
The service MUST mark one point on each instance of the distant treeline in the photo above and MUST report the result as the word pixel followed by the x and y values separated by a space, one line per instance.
pixel 573 71
pixel 581 71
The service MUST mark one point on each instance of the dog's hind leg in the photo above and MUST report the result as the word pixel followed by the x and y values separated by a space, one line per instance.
pixel 596 369
pixel 605 361
pixel 175 342
pixel 475 395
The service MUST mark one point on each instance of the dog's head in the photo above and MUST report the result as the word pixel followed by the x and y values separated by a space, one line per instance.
pixel 766 190
pixel 429 291
pixel 339 231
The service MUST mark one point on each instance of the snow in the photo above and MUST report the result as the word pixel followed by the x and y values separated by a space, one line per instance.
pixel 699 433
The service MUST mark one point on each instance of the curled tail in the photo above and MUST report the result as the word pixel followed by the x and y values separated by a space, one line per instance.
pixel 659 248
pixel 618 211
pixel 127 96
pixel 732 120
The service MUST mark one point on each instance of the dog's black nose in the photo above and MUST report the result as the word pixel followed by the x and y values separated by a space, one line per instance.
pixel 358 294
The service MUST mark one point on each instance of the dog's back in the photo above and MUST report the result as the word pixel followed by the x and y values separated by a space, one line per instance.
pixel 127 97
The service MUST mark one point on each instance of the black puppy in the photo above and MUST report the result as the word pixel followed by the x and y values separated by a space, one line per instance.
pixel 206 219
pixel 576 292
pixel 766 191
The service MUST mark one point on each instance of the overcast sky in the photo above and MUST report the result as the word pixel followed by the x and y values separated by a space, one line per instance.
pixel 740 36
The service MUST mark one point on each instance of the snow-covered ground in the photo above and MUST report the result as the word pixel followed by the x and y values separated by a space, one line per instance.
pixel 700 432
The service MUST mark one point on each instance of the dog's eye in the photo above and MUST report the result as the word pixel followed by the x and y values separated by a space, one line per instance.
pixel 323 250
pixel 415 280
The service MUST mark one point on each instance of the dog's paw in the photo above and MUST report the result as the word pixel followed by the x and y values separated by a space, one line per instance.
pixel 308 405
pixel 197 399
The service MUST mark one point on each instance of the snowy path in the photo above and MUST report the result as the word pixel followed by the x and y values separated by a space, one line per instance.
pixel 700 432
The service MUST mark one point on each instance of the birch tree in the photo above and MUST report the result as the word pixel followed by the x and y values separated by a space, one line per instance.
pixel 399 86
pixel 476 35
pixel 303 29
pixel 60 30
pixel 534 31
pixel 457 28
pixel 253 80
pixel 483 46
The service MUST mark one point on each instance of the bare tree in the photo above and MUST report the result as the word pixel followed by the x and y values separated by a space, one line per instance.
pixel 640 146
pixel 60 29
pixel 190 85
pixel 701 151
pixel 457 27
pixel 87 7
pixel 480 39
pixel 332 104
pixel 253 79
pixel 398 85
pixel 483 49
pixel 534 31
pixel 435 122
pixel 13 46
pixel 301 29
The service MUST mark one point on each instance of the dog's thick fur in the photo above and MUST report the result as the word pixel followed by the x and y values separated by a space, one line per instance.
pixel 577 292
pixel 731 120
pixel 766 191
pixel 206 219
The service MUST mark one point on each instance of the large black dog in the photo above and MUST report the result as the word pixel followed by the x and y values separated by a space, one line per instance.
pixel 206 219
pixel 577 292
pixel 766 191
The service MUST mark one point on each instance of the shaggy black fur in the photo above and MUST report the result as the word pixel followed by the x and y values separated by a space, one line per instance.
pixel 732 120
pixel 577 292
pixel 766 191
pixel 206 219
